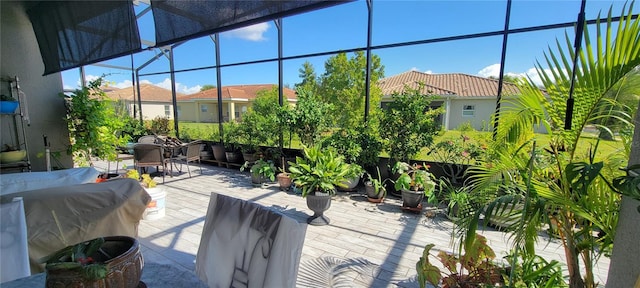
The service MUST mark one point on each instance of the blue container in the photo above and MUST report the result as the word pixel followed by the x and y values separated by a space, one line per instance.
pixel 8 107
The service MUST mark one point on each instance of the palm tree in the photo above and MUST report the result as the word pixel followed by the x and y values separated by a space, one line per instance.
pixel 558 184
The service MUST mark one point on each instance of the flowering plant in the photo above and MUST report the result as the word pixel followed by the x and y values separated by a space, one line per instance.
pixel 146 180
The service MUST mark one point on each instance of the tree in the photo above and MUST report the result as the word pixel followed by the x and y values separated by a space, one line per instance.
pixel 309 78
pixel 259 125
pixel 207 87
pixel 309 117
pixel 343 85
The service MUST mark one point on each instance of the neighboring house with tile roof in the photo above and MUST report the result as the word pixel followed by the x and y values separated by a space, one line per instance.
pixel 197 107
pixel 466 98
pixel 236 99
pixel 156 101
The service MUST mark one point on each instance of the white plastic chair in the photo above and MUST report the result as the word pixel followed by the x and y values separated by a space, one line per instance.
pixel 14 262
pixel 244 244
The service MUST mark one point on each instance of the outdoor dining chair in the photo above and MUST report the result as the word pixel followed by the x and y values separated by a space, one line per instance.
pixel 148 139
pixel 245 244
pixel 192 154
pixel 150 155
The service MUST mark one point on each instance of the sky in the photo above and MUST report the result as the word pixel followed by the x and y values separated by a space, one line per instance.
pixel 345 26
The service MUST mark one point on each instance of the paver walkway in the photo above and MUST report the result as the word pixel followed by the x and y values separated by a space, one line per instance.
pixel 365 245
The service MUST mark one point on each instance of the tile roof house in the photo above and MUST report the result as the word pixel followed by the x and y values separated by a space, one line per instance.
pixel 466 98
pixel 197 107
pixel 156 101
pixel 236 99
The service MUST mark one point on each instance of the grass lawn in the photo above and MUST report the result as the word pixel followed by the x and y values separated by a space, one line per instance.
pixel 606 148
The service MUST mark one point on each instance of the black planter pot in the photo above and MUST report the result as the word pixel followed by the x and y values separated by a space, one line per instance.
pixel 233 157
pixel 218 153
pixel 371 193
pixel 318 204
pixel 412 199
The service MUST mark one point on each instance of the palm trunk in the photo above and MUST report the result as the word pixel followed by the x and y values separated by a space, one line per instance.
pixel 571 253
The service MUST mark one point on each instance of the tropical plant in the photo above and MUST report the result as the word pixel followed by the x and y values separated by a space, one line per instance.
pixel 93 125
pixel 320 170
pixel 475 268
pixel 409 124
pixel 261 167
pixel 561 184
pixel 458 199
pixel 533 271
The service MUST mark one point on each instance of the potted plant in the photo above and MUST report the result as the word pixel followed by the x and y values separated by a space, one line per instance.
pixel 374 187
pixel 414 182
pixel 156 207
pixel 345 142
pixel 232 152
pixel 261 171
pixel 102 262
pixel 317 175
pixel 8 104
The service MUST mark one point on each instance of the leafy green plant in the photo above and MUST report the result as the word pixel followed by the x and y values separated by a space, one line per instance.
pixel 161 125
pixel 261 167
pixel 458 199
pixel 309 118
pixel 377 183
pixel 629 184
pixel 93 125
pixel 79 257
pixel 533 271
pixel 414 177
pixel 409 124
pixel 345 142
pixel 475 268
pixel 320 170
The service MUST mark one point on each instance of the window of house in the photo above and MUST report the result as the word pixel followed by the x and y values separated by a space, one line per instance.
pixel 167 110
pixel 468 110
pixel 204 108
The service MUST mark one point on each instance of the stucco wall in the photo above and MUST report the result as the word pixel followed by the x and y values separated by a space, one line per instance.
pixel 20 56
pixel 481 120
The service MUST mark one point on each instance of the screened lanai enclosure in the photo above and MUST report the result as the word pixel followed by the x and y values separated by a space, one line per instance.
pixel 149 39
pixel 184 46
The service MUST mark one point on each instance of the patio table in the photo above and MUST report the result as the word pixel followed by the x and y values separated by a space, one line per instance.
pixel 153 275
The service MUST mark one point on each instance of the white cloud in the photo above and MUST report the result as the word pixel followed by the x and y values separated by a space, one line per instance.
pixel 490 71
pixel 428 72
pixel 414 69
pixel 251 33
pixel 494 71
pixel 166 84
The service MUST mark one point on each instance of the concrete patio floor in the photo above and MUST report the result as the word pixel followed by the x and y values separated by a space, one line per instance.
pixel 365 245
